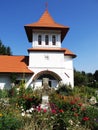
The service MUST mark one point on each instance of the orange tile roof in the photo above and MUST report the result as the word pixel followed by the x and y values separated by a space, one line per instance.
pixel 65 50
pixel 15 64
pixel 46 22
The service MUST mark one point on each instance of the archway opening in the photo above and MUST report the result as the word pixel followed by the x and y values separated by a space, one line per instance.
pixel 52 76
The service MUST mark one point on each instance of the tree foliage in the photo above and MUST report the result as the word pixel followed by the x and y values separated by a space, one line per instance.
pixel 4 50
pixel 96 75
pixel 80 78
pixel 85 79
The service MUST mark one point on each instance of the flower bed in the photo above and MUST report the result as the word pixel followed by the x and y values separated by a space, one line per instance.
pixel 64 113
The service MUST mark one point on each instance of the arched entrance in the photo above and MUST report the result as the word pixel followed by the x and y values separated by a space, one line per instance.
pixel 52 76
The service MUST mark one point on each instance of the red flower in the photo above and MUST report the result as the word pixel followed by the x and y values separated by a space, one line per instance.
pixel 76 99
pixel 61 111
pixel 83 109
pixel 29 99
pixel 72 102
pixel 85 118
pixel 80 104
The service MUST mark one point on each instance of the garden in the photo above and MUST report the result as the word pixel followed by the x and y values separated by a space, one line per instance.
pixel 69 109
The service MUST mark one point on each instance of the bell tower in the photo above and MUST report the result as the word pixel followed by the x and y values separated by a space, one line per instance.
pixel 47 59
pixel 46 32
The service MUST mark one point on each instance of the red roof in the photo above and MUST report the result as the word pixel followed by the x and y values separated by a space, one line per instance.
pixel 48 23
pixel 15 64
pixel 65 50
pixel 18 64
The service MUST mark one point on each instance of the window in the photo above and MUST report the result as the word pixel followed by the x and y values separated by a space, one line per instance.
pixel 19 81
pixel 46 57
pixel 39 39
pixel 53 40
pixel 46 39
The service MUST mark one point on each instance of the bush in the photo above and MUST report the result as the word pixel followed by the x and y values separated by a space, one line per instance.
pixel 9 122
pixel 67 110
pixel 28 102
pixel 64 90
pixel 3 93
pixel 27 99
pixel 92 113
pixel 9 119
pixel 12 92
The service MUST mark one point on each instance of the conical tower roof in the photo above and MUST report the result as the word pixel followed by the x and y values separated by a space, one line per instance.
pixel 45 22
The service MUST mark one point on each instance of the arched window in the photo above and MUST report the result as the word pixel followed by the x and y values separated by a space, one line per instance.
pixel 46 39
pixel 39 39
pixel 53 40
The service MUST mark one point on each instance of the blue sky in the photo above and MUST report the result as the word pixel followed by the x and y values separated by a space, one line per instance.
pixel 80 15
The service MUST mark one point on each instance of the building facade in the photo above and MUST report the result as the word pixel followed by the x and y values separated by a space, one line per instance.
pixel 46 57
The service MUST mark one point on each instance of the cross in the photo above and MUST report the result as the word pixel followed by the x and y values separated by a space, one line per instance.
pixel 46 5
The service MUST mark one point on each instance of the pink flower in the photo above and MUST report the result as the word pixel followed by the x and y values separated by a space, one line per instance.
pixel 44 110
pixel 74 109
pixel 53 111
pixel 38 108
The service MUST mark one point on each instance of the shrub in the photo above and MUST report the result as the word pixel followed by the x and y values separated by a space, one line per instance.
pixel 3 93
pixel 92 114
pixel 27 98
pixel 65 111
pixel 9 122
pixel 12 92
pixel 9 119
pixel 27 102
pixel 64 90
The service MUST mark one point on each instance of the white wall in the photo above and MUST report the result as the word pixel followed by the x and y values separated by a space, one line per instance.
pixel 5 81
pixel 69 69
pixel 53 61
pixel 46 59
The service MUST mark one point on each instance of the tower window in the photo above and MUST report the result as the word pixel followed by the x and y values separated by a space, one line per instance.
pixel 39 39
pixel 53 40
pixel 46 39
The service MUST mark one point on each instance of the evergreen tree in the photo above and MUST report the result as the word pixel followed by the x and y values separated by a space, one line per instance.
pixel 4 50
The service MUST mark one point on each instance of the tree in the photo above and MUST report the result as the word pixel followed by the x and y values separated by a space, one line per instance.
pixel 87 79
pixel 90 77
pixel 96 75
pixel 80 78
pixel 4 50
